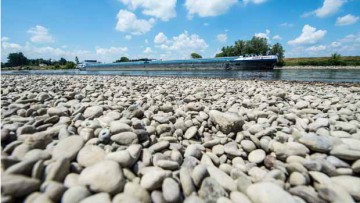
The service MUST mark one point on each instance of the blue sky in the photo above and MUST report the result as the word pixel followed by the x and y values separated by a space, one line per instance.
pixel 108 29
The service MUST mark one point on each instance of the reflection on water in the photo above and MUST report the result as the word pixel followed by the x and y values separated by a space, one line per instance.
pixel 299 75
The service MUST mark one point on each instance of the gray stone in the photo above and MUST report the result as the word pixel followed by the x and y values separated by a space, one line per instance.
pixel 104 176
pixel 316 143
pixel 257 156
pixel 307 193
pixel 152 181
pixel 171 190
pixel 18 185
pixel 119 127
pixel 135 190
pixel 99 197
pixel 187 184
pixel 198 174
pixel 350 183
pixel 190 132
pixel 228 122
pixel 193 150
pixel 93 112
pixel 75 194
pixel 222 178
pixel 267 192
pixel 211 190
pixel 89 155
pixel 68 148
pixel 122 157
pixel 125 138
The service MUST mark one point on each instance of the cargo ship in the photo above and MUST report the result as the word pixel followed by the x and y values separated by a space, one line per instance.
pixel 221 63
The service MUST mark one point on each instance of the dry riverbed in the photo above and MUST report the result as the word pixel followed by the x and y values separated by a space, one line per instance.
pixel 139 139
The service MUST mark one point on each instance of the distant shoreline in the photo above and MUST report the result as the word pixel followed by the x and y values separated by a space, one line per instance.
pixel 318 67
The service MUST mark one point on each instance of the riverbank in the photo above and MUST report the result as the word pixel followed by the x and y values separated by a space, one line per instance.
pixel 143 139
pixel 319 67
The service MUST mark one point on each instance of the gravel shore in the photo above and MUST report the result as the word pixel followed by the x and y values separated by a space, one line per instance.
pixel 155 139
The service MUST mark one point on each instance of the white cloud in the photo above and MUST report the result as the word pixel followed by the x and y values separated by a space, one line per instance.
pixel 40 34
pixel 316 48
pixel 335 44
pixel 4 39
pixel 222 37
pixel 147 50
pixel 206 8
pixel 146 41
pixel 352 38
pixel 328 8
pixel 286 24
pixel 206 24
pixel 277 37
pixel 10 46
pixel 161 9
pixel 346 46
pixel 263 35
pixel 309 35
pixel 181 46
pixel 160 38
pixel 128 37
pixel 347 20
pixel 254 1
pixel 128 22
pixel 111 50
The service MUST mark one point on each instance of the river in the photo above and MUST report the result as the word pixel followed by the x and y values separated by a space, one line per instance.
pixel 345 75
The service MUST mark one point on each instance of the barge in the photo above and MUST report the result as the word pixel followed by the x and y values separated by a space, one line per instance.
pixel 221 63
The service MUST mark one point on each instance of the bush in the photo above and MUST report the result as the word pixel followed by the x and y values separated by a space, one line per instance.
pixel 70 65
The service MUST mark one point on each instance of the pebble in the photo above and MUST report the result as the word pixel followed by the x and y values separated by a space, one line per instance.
pixel 104 176
pixel 75 194
pixel 171 190
pixel 190 132
pixel 18 185
pixel 211 190
pixel 153 180
pixel 267 192
pixel 144 139
pixel 68 148
pixel 89 155
pixel 125 138
pixel 257 156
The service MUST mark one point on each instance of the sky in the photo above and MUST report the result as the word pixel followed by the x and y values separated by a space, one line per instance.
pixel 105 30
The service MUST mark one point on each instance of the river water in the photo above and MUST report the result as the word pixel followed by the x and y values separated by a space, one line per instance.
pixel 349 75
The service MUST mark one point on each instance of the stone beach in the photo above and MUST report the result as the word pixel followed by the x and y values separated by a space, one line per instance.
pixel 165 139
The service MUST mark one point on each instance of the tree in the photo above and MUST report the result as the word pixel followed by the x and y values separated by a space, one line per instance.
pixel 257 45
pixel 123 59
pixel 76 60
pixel 195 55
pixel 62 61
pixel 70 65
pixel 17 59
pixel 278 50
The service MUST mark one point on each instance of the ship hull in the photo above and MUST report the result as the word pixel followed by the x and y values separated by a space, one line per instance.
pixel 230 65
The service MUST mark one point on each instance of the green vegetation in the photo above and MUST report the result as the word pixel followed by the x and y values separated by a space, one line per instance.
pixel 19 61
pixel 255 46
pixel 334 60
pixel 195 56
pixel 76 60
pixel 122 59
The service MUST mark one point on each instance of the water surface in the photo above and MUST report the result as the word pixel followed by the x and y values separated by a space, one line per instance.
pixel 349 75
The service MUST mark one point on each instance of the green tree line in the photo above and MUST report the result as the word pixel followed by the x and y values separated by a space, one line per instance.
pixel 19 59
pixel 255 46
